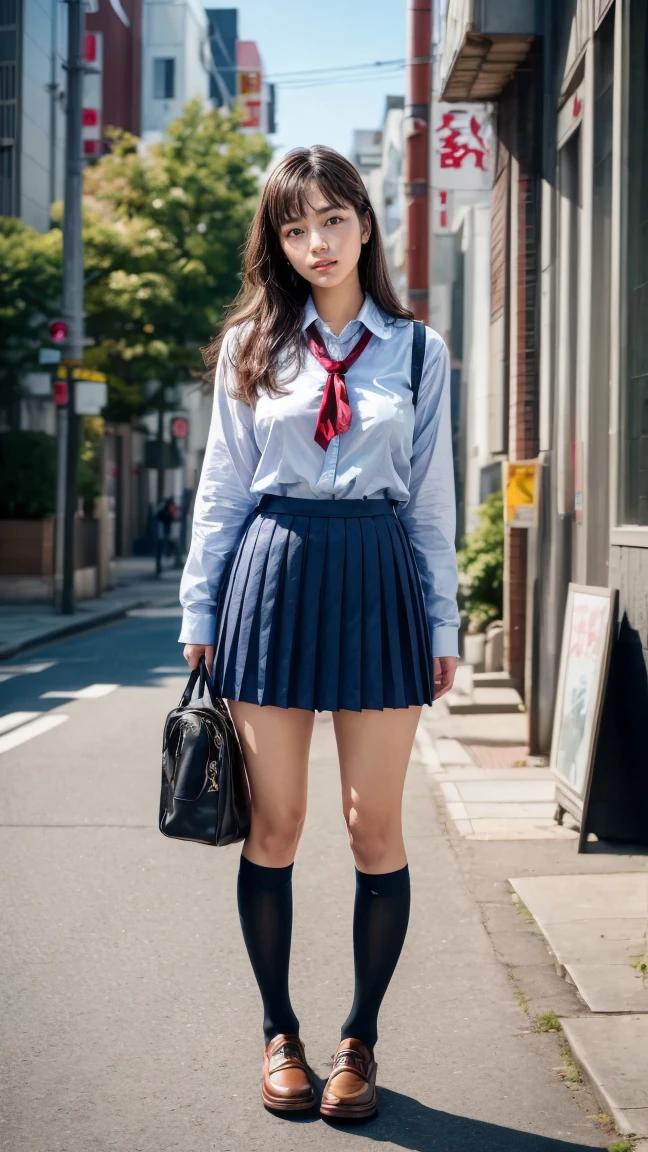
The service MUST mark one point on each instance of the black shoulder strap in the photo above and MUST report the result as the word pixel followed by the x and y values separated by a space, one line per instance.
pixel 418 356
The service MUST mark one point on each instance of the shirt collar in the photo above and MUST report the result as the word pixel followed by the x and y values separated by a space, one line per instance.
pixel 371 315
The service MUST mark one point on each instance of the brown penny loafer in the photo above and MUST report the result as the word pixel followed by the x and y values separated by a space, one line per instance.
pixel 286 1085
pixel 350 1092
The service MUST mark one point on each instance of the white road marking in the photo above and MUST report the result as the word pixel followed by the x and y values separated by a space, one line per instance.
pixel 14 719
pixel 3 678
pixel 92 692
pixel 28 731
pixel 25 669
pixel 155 613
pixel 171 670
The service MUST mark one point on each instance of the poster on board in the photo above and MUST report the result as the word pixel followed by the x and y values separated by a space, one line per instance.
pixel 590 617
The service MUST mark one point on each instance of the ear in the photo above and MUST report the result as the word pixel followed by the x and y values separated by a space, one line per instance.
pixel 366 227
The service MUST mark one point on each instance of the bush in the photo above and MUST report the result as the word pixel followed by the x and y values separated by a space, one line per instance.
pixel 27 475
pixel 481 564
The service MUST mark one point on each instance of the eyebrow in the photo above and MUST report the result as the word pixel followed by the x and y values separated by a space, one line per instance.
pixel 318 212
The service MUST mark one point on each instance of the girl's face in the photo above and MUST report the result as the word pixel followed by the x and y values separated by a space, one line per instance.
pixel 324 245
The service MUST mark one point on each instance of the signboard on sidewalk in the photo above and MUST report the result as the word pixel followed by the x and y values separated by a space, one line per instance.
pixel 520 484
pixel 590 617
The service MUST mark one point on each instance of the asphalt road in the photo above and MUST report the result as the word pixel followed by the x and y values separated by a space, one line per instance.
pixel 130 1017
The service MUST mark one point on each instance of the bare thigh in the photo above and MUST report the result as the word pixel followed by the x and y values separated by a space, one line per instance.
pixel 275 743
pixel 374 750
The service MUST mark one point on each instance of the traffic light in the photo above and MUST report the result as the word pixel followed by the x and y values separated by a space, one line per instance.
pixel 58 331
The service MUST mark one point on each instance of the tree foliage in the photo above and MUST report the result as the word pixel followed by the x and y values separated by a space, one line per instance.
pixel 163 229
pixel 30 295
pixel 481 564
pixel 163 236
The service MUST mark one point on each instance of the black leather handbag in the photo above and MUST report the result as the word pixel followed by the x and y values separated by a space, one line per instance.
pixel 205 793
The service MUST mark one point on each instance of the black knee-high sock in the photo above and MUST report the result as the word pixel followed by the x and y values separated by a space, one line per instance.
pixel 265 910
pixel 380 918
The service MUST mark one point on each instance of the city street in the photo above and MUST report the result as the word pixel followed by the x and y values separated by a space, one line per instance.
pixel 131 1017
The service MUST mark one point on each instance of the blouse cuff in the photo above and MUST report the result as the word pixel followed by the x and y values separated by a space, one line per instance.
pixel 445 640
pixel 198 627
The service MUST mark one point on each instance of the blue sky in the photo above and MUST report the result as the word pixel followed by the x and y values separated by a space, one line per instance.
pixel 299 35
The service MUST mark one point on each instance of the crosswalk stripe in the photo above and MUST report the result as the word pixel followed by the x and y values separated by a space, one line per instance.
pixel 92 692
pixel 29 731
pixel 14 719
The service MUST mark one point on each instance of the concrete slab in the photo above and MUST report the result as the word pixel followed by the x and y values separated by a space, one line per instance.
pixel 610 987
pixel 492 680
pixel 603 941
pixel 453 752
pixel 613 1053
pixel 524 791
pixel 463 772
pixel 520 830
pixel 556 899
pixel 510 811
pixel 485 700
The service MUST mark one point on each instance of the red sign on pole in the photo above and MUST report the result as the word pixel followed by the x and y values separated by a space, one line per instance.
pixel 180 428
pixel 60 393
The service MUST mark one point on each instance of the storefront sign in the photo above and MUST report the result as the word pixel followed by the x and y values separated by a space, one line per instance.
pixel 520 487
pixel 461 147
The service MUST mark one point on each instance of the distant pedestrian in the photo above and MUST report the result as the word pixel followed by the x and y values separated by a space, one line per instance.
pixel 165 516
pixel 322 576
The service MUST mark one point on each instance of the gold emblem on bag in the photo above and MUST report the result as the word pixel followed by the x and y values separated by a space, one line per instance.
pixel 212 769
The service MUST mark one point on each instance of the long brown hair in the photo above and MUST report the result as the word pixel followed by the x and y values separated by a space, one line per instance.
pixel 270 303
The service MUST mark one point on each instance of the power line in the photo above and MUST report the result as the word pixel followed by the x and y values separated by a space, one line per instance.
pixel 325 83
pixel 339 68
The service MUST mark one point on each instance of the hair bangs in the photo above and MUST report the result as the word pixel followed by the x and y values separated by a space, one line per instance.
pixel 289 201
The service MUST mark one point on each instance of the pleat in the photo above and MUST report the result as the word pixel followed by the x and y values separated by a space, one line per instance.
pixel 418 600
pixel 270 599
pixel 330 613
pixel 351 621
pixel 282 641
pixel 372 626
pixel 412 655
pixel 393 688
pixel 302 691
pixel 246 650
pixel 232 609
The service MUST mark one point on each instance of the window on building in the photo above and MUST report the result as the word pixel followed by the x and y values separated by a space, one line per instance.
pixel 164 78
pixel 635 456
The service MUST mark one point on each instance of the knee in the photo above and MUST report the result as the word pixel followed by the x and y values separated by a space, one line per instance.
pixel 372 839
pixel 276 839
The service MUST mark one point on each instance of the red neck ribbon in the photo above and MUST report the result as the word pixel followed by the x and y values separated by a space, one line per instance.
pixel 334 414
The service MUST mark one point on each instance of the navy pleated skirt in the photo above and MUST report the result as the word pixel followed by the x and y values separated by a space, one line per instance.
pixel 321 607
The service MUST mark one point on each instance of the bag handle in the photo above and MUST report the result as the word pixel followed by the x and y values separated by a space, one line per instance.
pixel 418 356
pixel 201 676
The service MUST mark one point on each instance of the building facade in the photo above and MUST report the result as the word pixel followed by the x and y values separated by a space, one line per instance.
pixel 118 25
pixel 568 349
pixel 176 62
pixel 32 126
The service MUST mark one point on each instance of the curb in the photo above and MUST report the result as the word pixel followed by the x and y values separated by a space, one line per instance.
pixel 73 627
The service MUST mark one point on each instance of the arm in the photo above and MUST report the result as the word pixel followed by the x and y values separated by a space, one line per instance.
pixel 430 514
pixel 223 503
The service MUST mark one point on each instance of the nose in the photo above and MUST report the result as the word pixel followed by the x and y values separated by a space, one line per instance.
pixel 317 241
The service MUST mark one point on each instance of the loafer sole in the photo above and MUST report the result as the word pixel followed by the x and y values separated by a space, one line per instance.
pixel 283 1104
pixel 349 1111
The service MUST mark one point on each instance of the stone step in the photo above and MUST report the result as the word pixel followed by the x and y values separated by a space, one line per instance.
pixel 492 680
pixel 484 701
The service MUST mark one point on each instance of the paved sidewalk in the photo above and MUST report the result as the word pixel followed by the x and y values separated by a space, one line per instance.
pixel 26 626
pixel 591 909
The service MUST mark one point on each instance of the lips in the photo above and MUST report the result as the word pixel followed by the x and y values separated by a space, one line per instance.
pixel 323 264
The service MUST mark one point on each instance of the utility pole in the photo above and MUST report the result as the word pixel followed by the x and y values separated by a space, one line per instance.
pixel 417 177
pixel 72 278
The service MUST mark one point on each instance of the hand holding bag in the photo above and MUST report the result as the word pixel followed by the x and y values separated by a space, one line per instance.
pixel 204 795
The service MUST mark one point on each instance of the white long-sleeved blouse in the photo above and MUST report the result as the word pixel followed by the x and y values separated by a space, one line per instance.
pixel 391 450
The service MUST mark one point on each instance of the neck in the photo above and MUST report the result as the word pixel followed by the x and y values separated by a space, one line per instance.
pixel 337 306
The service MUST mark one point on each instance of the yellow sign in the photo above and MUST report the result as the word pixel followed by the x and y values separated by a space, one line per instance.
pixel 520 486
pixel 81 374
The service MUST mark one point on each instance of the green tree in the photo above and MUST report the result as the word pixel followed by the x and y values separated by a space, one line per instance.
pixel 163 234
pixel 30 296
pixel 481 565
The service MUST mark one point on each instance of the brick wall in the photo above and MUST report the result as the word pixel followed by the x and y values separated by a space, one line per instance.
pixel 520 129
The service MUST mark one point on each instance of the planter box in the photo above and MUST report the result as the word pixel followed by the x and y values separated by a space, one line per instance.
pixel 27 547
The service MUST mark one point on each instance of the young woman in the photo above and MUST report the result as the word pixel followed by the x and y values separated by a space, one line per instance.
pixel 322 576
